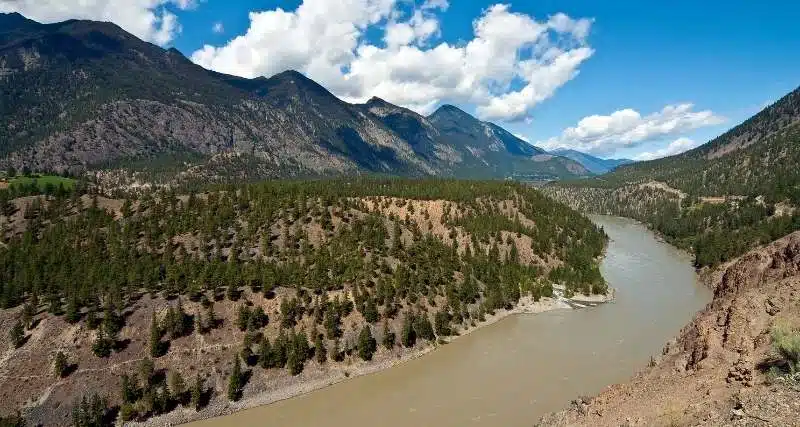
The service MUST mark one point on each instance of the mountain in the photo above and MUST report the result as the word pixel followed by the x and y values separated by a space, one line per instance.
pixel 721 199
pixel 488 149
pixel 757 157
pixel 84 95
pixel 594 164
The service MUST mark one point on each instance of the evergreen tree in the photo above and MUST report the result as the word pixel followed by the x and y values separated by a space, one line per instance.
pixel 60 365
pixel 235 381
pixel 102 345
pixel 265 353
pixel 243 317
pixel 27 316
pixel 320 352
pixel 197 392
pixel 155 337
pixel 442 323
pixel 176 385
pixel 17 335
pixel 128 392
pixel 297 353
pixel 371 311
pixel 388 336
pixel 408 336
pixel 335 352
pixel 366 344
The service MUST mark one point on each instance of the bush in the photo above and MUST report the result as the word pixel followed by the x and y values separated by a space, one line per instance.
pixel 786 343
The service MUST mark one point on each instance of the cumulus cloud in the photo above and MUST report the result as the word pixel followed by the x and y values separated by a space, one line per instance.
pixel 218 28
pixel 675 147
pixel 603 135
pixel 511 63
pixel 149 20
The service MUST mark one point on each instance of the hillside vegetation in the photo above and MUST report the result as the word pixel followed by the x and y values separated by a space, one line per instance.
pixel 256 283
pixel 736 192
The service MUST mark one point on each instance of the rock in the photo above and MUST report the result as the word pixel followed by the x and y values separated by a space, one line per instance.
pixel 771 307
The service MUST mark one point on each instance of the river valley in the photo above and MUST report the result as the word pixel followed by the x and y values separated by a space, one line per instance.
pixel 512 372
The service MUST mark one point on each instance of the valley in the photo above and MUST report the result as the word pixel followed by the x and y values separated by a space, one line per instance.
pixel 183 246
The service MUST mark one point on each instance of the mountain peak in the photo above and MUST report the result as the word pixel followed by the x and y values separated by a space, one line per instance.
pixel 376 101
pixel 13 21
pixel 452 111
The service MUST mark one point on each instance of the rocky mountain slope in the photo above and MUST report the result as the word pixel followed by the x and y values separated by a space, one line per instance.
pixel 81 95
pixel 723 369
pixel 594 164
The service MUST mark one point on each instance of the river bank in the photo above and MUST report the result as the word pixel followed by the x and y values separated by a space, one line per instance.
pixel 508 372
pixel 316 377
pixel 715 372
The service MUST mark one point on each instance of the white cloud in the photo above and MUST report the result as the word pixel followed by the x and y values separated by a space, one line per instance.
pixel 511 63
pixel 522 137
pixel 218 28
pixel 603 135
pixel 675 147
pixel 149 20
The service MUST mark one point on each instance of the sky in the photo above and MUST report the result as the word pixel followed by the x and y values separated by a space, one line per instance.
pixel 617 78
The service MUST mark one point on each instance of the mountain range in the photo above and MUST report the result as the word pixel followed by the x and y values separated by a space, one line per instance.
pixel 594 164
pixel 85 95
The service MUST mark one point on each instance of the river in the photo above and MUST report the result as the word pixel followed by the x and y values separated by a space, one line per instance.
pixel 512 372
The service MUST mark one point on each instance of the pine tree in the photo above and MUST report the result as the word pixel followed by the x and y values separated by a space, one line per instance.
pixel 408 337
pixel 211 318
pixel 320 352
pixel 27 316
pixel 17 335
pixel 423 327
pixel 265 353
pixel 388 336
pixel 128 392
pixel 371 311
pixel 296 355
pixel 442 323
pixel 176 385
pixel 235 381
pixel 243 317
pixel 102 344
pixel 280 350
pixel 155 337
pixel 60 365
pixel 72 314
pixel 366 343
pixel 197 392
pixel 335 352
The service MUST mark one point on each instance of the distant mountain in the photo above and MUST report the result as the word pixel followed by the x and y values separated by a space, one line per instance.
pixel 594 164
pixel 84 95
pixel 488 149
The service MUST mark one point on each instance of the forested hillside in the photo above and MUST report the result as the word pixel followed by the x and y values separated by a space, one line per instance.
pixel 256 284
pixel 740 190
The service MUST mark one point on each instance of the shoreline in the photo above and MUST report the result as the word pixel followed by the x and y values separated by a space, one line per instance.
pixel 312 380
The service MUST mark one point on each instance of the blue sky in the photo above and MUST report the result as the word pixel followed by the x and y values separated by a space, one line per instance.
pixel 620 78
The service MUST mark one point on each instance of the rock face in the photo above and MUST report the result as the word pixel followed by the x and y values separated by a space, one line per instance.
pixel 81 95
pixel 714 373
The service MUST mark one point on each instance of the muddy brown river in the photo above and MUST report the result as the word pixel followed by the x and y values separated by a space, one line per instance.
pixel 510 373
